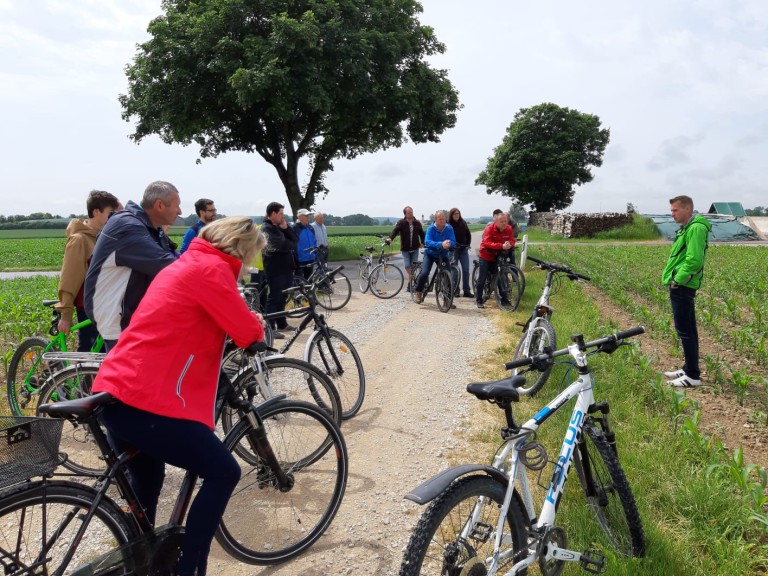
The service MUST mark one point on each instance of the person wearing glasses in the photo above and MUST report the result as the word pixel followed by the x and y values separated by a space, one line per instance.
pixel 206 213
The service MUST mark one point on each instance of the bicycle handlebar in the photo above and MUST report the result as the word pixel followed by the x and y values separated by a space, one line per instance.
pixel 607 344
pixel 559 268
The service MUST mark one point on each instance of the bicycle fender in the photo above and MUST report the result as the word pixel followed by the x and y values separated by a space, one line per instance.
pixel 306 347
pixel 436 485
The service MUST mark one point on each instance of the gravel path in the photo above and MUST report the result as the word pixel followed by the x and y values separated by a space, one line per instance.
pixel 417 362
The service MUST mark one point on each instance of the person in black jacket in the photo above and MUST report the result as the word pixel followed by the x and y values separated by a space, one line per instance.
pixel 279 260
pixel 411 239
pixel 463 242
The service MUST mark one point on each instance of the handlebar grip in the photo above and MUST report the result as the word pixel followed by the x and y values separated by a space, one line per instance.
pixel 587 278
pixel 635 331
pixel 535 260
pixel 256 347
pixel 512 364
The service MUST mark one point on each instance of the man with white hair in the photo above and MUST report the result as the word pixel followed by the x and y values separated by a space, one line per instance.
pixel 439 239
pixel 321 235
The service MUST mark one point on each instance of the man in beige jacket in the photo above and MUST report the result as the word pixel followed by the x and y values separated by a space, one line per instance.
pixel 81 238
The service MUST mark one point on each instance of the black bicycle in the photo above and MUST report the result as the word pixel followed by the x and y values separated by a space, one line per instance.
pixel 442 281
pixel 507 284
pixel 291 488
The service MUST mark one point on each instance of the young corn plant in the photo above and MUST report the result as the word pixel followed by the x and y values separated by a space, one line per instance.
pixel 741 380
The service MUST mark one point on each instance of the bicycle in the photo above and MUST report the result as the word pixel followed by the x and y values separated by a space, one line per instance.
pixel 27 370
pixel 507 284
pixel 267 376
pixel 538 333
pixel 281 506
pixel 482 519
pixel 442 282
pixel 383 279
pixel 326 348
pixel 333 291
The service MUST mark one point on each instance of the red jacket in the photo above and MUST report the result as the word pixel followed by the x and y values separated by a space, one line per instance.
pixel 493 240
pixel 167 361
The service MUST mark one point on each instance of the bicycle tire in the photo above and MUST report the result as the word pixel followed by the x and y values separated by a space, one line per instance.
pixel 76 381
pixel 541 335
pixel 415 273
pixel 31 515
pixel 264 525
pixel 608 493
pixel 386 281
pixel 507 290
pixel 443 290
pixel 297 379
pixel 436 546
pixel 27 373
pixel 338 291
pixel 348 377
pixel 364 275
pixel 485 293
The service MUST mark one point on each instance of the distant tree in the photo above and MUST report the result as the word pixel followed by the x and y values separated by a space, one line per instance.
pixel 631 208
pixel 358 220
pixel 757 211
pixel 547 151
pixel 291 81
pixel 518 212
pixel 387 222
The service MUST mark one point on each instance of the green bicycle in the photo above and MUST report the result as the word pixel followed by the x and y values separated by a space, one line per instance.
pixel 28 371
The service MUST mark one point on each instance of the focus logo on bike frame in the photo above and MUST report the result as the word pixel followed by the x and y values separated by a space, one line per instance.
pixel 561 471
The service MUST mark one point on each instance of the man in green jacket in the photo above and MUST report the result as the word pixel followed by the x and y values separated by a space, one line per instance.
pixel 683 274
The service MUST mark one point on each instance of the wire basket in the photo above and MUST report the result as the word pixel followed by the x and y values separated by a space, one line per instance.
pixel 29 447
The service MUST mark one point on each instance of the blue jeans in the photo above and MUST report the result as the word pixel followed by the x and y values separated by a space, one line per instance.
pixel 684 314
pixel 184 444
pixel 462 258
pixel 426 267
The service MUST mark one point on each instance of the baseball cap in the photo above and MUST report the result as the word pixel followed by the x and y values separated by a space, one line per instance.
pixel 303 212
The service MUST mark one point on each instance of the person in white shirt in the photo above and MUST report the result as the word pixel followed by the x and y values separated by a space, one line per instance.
pixel 321 235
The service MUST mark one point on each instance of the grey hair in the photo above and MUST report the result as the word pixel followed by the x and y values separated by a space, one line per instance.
pixel 158 190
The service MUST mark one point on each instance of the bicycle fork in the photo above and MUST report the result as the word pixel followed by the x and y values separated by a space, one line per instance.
pixel 257 437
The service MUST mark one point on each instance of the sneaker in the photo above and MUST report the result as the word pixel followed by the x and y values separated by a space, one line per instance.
pixel 453 305
pixel 468 295
pixel 480 305
pixel 419 297
pixel 277 335
pixel 684 382
pixel 674 373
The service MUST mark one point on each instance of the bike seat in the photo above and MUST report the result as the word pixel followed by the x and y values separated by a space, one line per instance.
pixel 50 302
pixel 370 249
pixel 498 390
pixel 82 407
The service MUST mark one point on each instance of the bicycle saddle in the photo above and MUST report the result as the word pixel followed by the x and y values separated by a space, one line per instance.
pixel 504 390
pixel 80 407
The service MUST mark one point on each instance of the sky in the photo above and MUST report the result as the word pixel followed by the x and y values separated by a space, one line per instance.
pixel 682 85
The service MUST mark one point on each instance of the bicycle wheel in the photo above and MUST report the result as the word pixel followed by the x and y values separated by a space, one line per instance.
pixel 607 491
pixel 338 291
pixel 339 360
pixel 538 336
pixel 27 372
pixel 443 290
pixel 415 273
pixel 265 525
pixel 76 381
pixel 507 290
pixel 455 535
pixel 364 274
pixel 39 522
pixel 386 280
pixel 297 379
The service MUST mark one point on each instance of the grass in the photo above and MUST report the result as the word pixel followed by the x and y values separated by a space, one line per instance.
pixel 694 523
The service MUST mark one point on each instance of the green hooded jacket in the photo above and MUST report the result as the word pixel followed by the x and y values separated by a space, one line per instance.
pixel 685 264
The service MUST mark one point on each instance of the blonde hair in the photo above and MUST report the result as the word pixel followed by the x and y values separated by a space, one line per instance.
pixel 237 236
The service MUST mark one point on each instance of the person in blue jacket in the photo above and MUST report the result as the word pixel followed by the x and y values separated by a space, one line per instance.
pixel 206 213
pixel 307 241
pixel 437 242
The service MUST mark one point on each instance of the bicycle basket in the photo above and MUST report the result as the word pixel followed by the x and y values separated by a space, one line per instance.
pixel 29 447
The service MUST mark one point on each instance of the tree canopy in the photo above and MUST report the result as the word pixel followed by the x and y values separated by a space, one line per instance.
pixel 547 151
pixel 314 79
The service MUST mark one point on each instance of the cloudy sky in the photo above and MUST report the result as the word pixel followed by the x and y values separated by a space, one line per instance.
pixel 682 85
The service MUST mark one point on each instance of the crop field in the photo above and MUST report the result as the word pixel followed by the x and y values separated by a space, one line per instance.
pixel 31 254
pixel 22 311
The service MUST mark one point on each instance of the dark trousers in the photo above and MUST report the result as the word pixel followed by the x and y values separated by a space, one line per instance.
pixel 462 257
pixel 426 267
pixel 684 314
pixel 184 444
pixel 276 299
pixel 484 267
pixel 86 336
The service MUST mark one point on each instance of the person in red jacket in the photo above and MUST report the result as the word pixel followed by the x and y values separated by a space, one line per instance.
pixel 164 372
pixel 497 237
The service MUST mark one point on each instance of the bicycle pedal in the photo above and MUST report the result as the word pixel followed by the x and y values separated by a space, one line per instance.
pixel 593 561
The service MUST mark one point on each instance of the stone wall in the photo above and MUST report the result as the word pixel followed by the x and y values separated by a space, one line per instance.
pixel 579 225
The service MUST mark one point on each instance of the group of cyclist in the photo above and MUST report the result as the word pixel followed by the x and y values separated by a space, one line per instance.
pixel 451 233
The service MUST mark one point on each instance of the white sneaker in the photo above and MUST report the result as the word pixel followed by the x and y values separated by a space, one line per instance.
pixel 684 382
pixel 674 373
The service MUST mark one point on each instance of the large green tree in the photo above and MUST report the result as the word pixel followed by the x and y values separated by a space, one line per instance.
pixel 547 151
pixel 291 80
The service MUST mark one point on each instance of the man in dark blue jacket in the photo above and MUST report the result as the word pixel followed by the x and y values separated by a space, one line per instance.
pixel 278 261
pixel 206 213
pixel 129 253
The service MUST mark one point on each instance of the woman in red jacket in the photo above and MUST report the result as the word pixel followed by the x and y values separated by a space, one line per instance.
pixel 164 372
